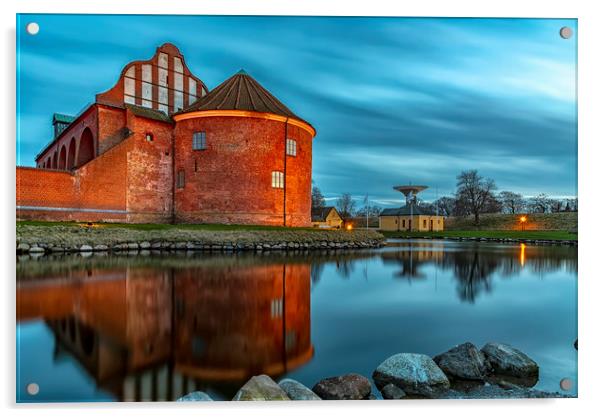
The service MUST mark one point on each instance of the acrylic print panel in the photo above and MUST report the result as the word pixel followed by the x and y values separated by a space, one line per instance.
pixel 275 208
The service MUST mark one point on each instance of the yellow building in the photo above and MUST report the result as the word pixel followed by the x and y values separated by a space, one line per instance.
pixel 326 218
pixel 410 218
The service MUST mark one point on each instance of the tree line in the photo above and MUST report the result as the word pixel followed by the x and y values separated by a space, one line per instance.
pixel 475 195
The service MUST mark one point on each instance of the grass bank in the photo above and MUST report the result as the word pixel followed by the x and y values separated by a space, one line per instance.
pixel 510 222
pixel 51 236
pixel 488 234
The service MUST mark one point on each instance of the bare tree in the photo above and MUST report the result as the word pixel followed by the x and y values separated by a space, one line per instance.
pixel 317 199
pixel 346 205
pixel 445 205
pixel 556 206
pixel 512 202
pixel 540 203
pixel 474 192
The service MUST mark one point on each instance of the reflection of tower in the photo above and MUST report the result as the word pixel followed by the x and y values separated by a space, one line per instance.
pixel 233 323
pixel 410 192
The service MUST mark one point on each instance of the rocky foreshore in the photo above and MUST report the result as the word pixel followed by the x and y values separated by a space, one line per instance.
pixel 464 372
pixel 43 239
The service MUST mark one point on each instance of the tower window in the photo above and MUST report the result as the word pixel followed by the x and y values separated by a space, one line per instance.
pixel 198 141
pixel 291 147
pixel 149 137
pixel 180 179
pixel 277 179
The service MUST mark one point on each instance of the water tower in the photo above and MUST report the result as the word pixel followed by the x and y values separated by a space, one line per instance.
pixel 410 192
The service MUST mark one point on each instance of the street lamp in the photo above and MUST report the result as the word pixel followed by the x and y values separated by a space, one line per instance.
pixel 523 220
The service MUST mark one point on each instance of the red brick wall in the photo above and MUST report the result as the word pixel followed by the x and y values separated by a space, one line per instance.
pixel 149 174
pixel 101 183
pixel 111 121
pixel 233 178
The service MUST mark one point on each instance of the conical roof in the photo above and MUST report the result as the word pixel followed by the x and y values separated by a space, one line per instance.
pixel 241 92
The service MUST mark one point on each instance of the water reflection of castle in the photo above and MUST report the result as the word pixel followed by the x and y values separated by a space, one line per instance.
pixel 154 334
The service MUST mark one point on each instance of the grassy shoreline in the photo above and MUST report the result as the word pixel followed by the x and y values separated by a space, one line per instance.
pixel 49 236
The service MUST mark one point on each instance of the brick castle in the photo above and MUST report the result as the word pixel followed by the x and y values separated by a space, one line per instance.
pixel 159 147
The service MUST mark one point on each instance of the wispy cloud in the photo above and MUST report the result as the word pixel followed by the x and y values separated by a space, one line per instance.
pixel 393 99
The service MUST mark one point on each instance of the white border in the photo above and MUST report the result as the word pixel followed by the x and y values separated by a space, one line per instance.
pixel 590 135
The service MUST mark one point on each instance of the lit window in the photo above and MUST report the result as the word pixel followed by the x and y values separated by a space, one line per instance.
pixel 198 141
pixel 277 179
pixel 291 147
pixel 276 308
pixel 180 179
pixel 149 137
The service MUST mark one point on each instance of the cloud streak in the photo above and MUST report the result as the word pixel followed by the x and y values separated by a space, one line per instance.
pixel 393 99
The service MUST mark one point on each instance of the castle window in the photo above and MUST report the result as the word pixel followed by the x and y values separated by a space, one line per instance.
pixel 180 180
pixel 198 141
pixel 291 147
pixel 424 223
pixel 404 223
pixel 277 179
pixel 149 137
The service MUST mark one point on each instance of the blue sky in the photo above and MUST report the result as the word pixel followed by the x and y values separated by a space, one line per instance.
pixel 394 100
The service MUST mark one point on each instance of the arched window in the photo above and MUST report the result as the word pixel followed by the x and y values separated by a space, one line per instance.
pixel 54 160
pixel 63 158
pixel 86 147
pixel 71 154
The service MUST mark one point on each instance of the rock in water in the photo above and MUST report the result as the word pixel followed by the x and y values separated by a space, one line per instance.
pixel 506 360
pixel 297 391
pixel 260 388
pixel 392 392
pixel 346 387
pixel 412 372
pixel 464 361
pixel 195 396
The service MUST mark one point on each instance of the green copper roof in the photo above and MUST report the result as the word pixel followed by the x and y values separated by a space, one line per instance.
pixel 62 118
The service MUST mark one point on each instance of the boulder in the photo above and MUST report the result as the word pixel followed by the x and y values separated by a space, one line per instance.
pixel 345 387
pixel 297 391
pixel 195 396
pixel 392 392
pixel 506 360
pixel 85 248
pixel 261 388
pixel 22 247
pixel 464 361
pixel 414 373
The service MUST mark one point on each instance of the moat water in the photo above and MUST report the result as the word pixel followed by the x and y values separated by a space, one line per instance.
pixel 152 327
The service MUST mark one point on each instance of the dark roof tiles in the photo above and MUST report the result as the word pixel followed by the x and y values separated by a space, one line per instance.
pixel 241 92
pixel 405 211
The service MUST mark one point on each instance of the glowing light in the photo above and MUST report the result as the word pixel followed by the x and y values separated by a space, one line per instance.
pixel 349 226
pixel 523 219
pixel 522 254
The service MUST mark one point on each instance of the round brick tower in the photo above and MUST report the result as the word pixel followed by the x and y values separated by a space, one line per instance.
pixel 242 157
